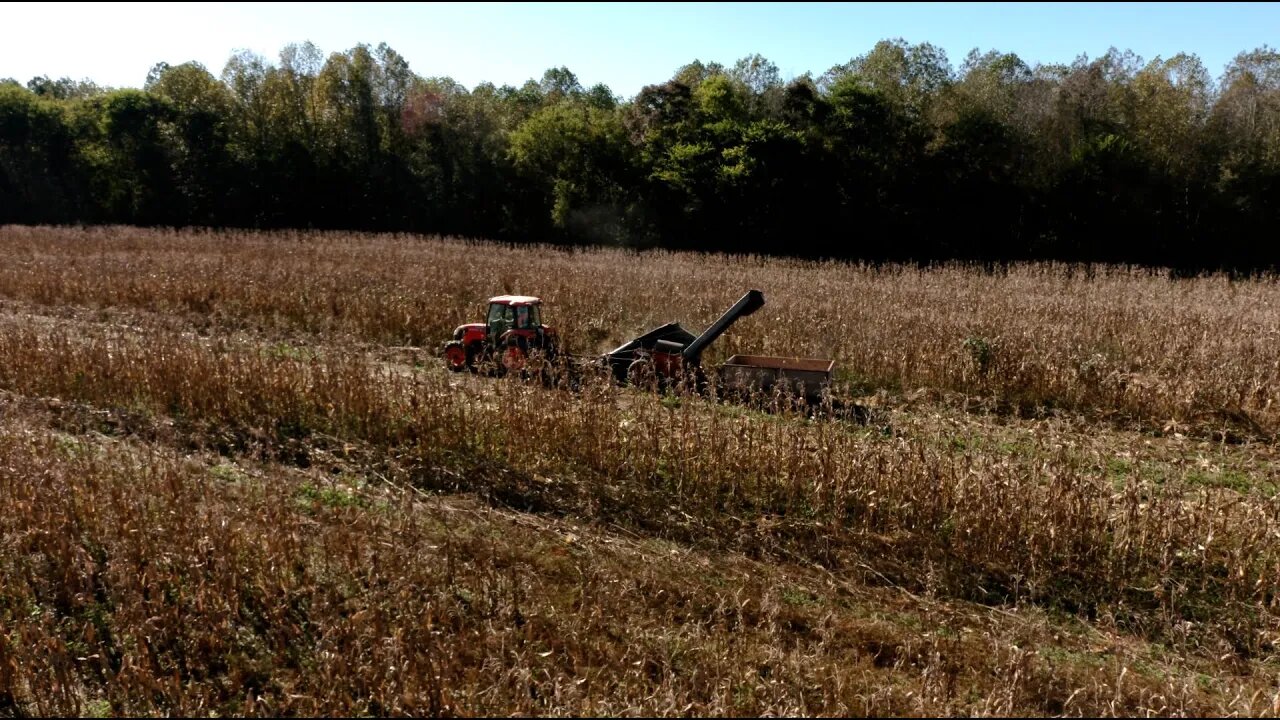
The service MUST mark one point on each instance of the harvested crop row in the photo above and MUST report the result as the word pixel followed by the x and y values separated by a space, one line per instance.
pixel 137 581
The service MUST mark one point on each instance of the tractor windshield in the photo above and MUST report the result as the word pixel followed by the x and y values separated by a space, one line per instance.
pixel 501 319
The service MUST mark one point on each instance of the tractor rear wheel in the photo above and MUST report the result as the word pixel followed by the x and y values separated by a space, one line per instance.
pixel 514 358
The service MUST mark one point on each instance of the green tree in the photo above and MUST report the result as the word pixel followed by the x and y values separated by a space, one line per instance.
pixel 909 77
pixel 576 154
pixel 196 136
pixel 40 177
pixel 130 170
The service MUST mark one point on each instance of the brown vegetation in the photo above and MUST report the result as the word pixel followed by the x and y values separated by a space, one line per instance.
pixel 233 497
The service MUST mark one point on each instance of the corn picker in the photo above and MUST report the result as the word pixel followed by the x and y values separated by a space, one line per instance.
pixel 671 354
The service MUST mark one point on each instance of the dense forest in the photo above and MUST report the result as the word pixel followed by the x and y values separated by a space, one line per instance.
pixel 895 155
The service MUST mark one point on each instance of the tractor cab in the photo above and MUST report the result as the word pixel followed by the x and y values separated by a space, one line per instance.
pixel 512 328
pixel 513 312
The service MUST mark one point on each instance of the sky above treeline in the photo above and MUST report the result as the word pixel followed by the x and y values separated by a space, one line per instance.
pixel 623 45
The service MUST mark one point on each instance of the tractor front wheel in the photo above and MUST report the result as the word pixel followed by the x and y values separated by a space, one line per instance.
pixel 455 356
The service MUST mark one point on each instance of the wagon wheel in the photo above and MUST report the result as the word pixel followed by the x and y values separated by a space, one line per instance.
pixel 641 373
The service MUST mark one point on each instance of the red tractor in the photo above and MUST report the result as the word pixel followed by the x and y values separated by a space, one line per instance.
pixel 514 329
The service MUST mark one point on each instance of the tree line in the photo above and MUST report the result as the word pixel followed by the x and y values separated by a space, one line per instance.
pixel 895 155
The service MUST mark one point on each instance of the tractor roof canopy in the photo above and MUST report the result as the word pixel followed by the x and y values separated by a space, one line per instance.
pixel 515 300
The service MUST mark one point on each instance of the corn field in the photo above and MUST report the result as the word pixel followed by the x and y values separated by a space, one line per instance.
pixel 241 481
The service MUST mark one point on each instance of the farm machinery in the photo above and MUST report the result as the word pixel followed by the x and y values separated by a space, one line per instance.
pixel 511 330
pixel 662 358
pixel 671 354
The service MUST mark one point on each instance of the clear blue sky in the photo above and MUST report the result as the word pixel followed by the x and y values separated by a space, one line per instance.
pixel 625 46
